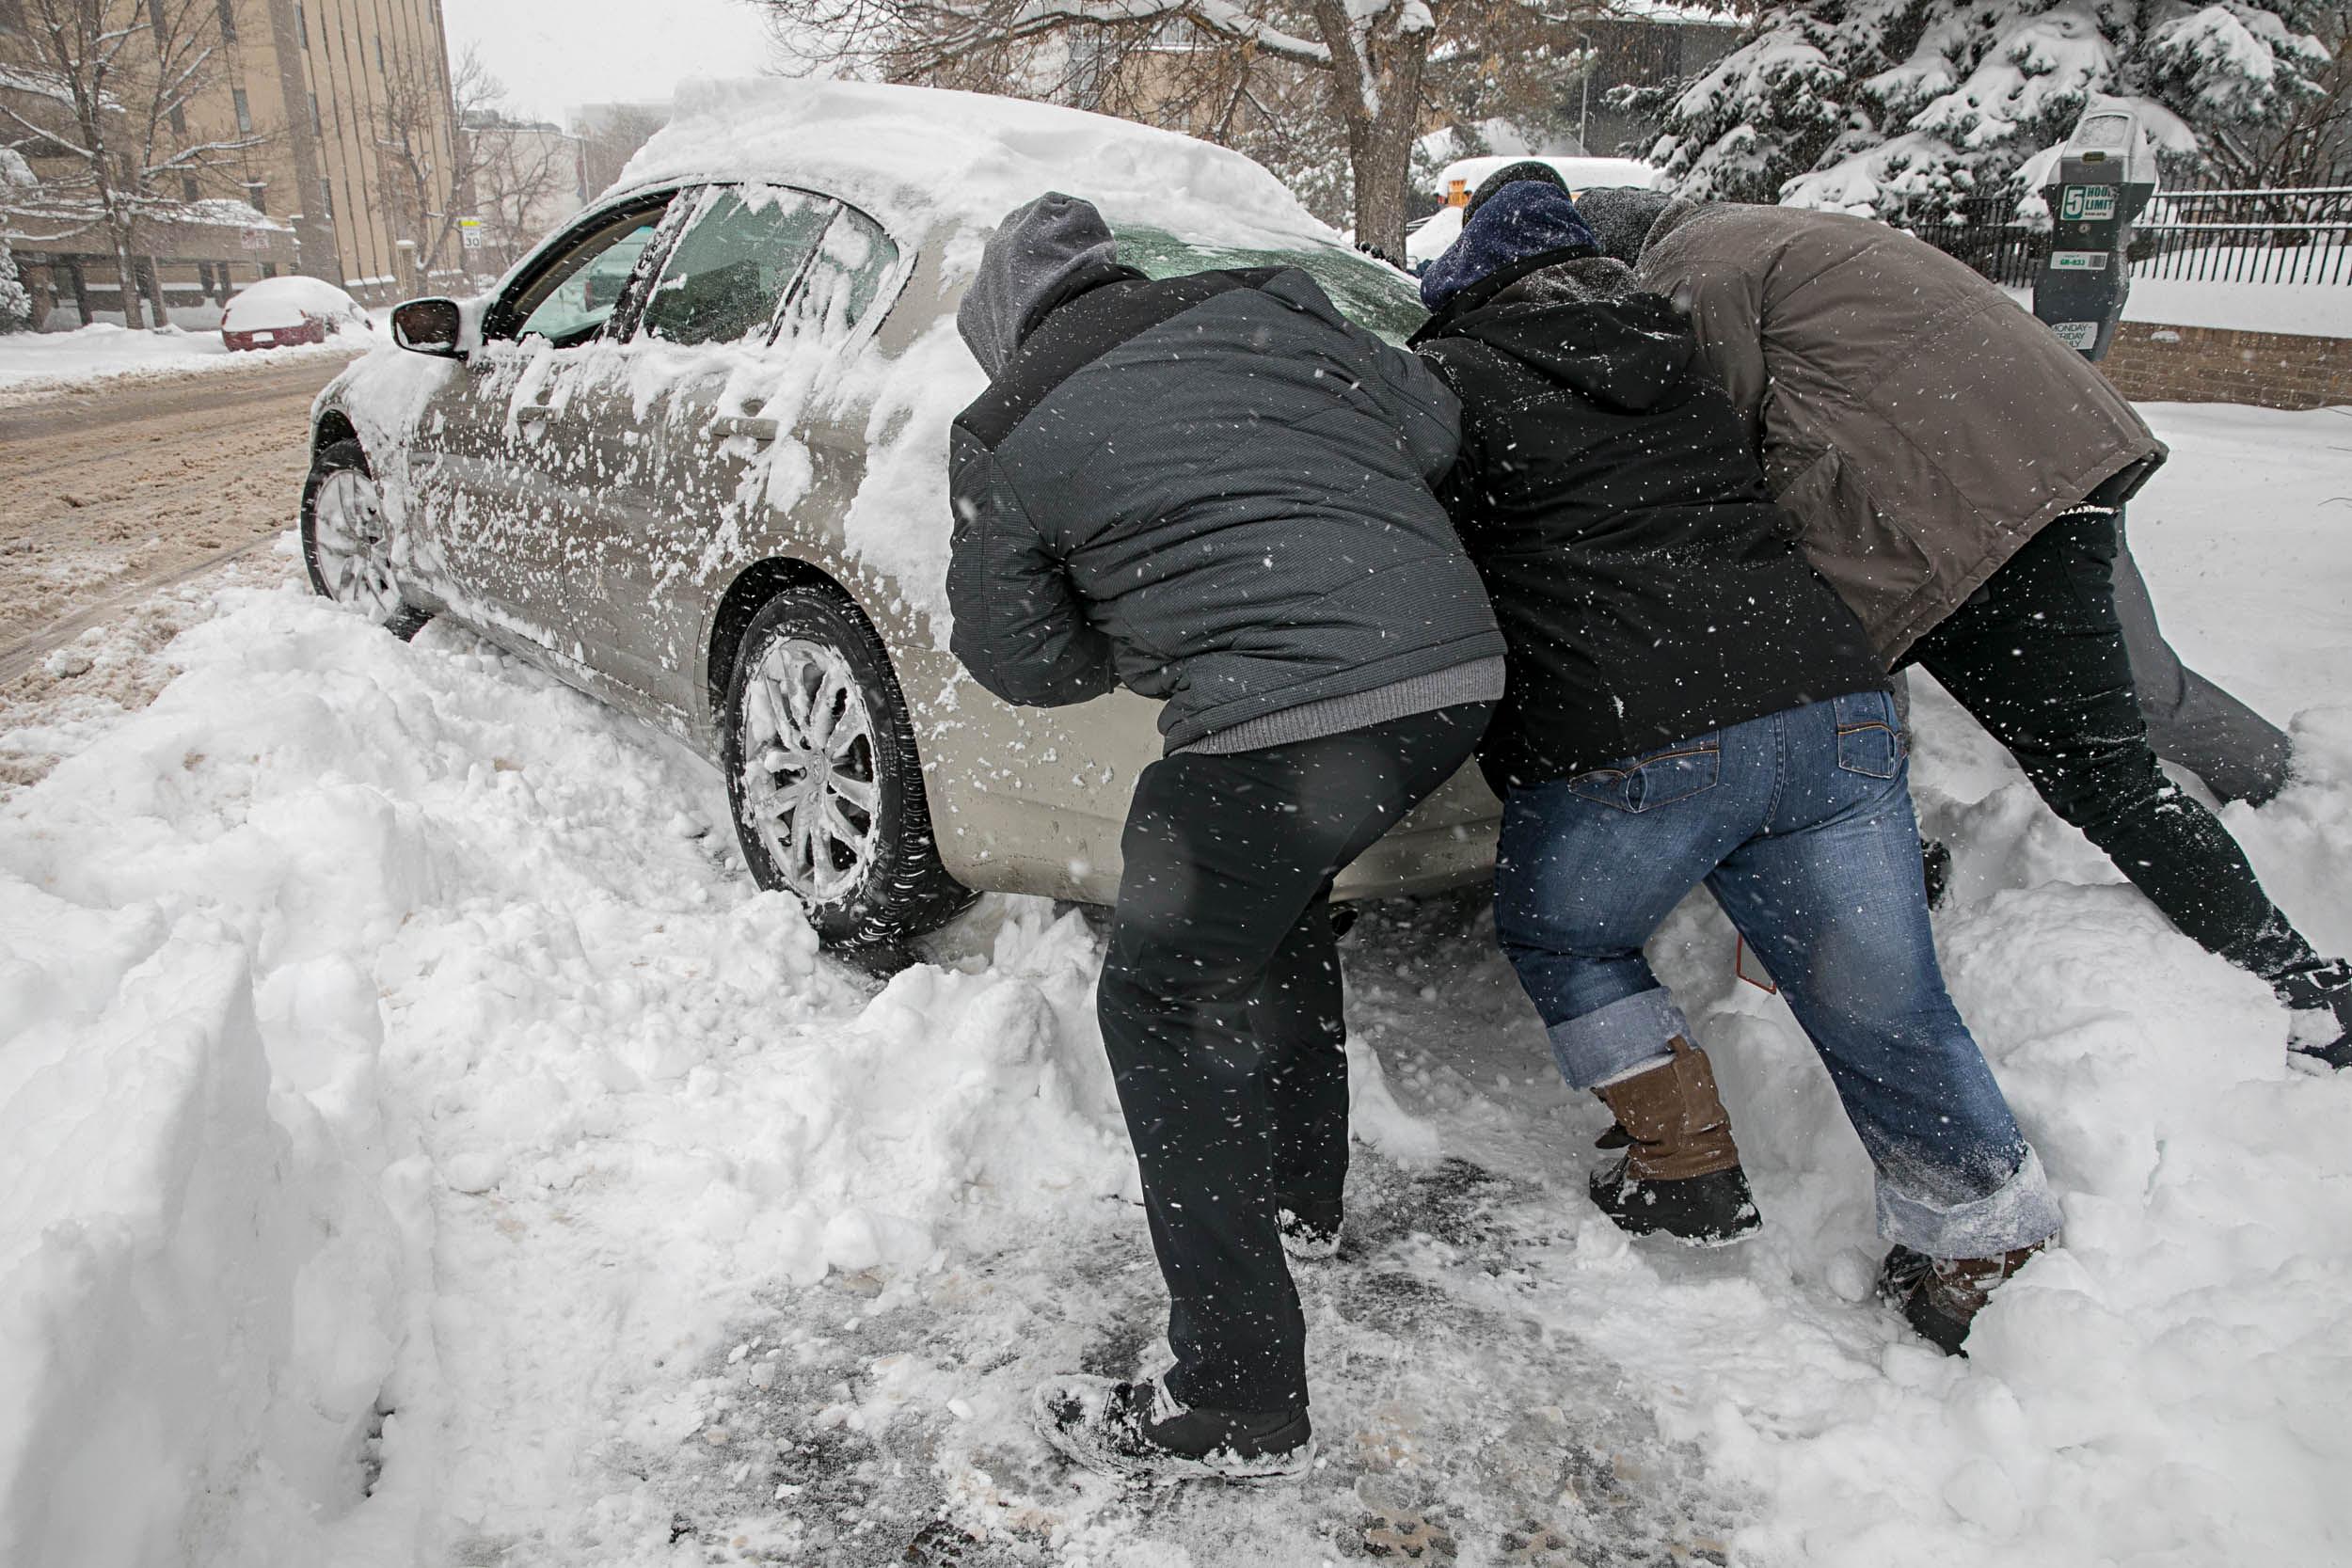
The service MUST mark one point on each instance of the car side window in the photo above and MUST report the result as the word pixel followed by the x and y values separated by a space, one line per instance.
pixel 570 300
pixel 850 268
pixel 732 267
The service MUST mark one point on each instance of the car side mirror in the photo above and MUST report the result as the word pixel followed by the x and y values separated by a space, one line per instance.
pixel 433 326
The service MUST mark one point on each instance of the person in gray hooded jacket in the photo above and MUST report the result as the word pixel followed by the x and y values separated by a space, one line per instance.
pixel 1213 490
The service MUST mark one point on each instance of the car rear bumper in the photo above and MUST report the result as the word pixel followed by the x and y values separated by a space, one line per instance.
pixel 277 337
pixel 1447 843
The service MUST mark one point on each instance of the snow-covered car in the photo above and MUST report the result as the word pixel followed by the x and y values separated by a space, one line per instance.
pixel 691 456
pixel 275 312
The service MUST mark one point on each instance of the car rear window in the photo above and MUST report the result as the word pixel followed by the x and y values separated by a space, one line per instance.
pixel 1371 294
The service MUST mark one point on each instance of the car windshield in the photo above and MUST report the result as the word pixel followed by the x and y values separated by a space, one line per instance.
pixel 1373 295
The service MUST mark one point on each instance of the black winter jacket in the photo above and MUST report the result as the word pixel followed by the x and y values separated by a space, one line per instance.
pixel 1212 489
pixel 1650 588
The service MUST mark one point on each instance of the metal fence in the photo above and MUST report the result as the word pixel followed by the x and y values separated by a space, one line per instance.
pixel 2216 234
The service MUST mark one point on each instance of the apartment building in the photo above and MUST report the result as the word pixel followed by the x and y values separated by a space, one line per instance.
pixel 341 88
pixel 332 129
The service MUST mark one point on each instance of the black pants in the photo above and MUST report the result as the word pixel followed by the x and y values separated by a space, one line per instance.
pixel 1221 1005
pixel 2038 654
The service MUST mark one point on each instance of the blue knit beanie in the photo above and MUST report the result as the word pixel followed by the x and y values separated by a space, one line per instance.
pixel 1523 219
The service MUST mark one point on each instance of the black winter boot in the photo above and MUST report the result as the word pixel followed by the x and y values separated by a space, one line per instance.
pixel 1142 1434
pixel 1307 1241
pixel 1940 1297
pixel 1900 1273
pixel 1680 1171
pixel 1936 870
pixel 2321 997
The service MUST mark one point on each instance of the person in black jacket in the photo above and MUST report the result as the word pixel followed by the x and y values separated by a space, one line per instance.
pixel 1689 701
pixel 1213 490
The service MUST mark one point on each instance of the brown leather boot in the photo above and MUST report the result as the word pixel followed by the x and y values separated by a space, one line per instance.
pixel 1947 1293
pixel 1681 1172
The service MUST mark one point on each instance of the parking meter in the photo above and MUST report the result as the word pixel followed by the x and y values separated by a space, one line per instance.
pixel 2107 173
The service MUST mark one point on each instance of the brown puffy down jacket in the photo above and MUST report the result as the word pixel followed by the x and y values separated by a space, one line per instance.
pixel 1917 423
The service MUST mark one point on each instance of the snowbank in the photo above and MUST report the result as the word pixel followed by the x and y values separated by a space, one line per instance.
pixel 200 1285
pixel 405 1104
pixel 42 361
pixel 397 1055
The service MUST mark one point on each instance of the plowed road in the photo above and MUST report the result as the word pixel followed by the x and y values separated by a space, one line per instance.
pixel 109 491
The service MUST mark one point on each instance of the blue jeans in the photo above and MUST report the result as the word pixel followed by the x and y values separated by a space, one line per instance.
pixel 1800 823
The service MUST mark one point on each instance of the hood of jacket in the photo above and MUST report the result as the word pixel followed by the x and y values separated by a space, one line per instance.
pixel 1919 433
pixel 1585 323
pixel 1517 224
pixel 1040 257
pixel 1623 218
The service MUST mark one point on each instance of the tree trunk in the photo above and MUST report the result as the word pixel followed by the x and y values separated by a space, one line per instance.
pixel 1377 78
pixel 128 274
pixel 1382 162
pixel 151 285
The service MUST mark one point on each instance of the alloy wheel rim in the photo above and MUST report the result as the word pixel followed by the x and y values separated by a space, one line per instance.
pixel 809 782
pixel 352 545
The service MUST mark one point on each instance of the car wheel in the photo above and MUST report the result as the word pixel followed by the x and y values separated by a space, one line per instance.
pixel 346 543
pixel 822 773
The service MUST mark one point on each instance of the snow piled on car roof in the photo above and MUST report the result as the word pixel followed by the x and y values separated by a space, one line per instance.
pixel 276 302
pixel 914 156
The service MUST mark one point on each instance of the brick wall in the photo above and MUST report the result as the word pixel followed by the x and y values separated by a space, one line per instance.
pixel 2201 364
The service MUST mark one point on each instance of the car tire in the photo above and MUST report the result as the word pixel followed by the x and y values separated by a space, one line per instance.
pixel 823 777
pixel 347 548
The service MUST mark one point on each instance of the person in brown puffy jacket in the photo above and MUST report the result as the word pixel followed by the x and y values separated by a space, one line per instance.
pixel 1957 476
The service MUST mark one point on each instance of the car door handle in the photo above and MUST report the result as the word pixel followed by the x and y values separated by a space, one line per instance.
pixel 730 425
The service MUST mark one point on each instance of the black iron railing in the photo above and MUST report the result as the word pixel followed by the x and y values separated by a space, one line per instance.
pixel 2219 234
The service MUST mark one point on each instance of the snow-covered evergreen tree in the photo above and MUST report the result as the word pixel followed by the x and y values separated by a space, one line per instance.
pixel 16 301
pixel 1888 106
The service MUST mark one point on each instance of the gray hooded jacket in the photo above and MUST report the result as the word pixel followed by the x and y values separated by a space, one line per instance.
pixel 1211 489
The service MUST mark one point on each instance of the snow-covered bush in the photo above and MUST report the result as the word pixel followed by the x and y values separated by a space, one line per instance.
pixel 1889 106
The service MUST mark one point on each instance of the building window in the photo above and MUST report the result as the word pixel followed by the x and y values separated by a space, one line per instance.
pixel 179 120
pixel 244 111
pixel 229 20
pixel 317 127
pixel 254 192
pixel 302 27
pixel 11 16
pixel 381 68
pixel 326 198
pixel 187 188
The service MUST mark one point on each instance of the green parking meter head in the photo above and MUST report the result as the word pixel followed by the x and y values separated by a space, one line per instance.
pixel 2103 176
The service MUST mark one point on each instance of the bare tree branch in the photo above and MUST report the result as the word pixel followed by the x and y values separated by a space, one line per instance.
pixel 117 79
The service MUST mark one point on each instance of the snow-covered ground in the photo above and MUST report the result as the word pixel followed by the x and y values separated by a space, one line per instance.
pixel 44 361
pixel 419 1143
pixel 2301 310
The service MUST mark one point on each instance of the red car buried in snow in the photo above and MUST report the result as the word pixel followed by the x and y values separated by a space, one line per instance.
pixel 280 312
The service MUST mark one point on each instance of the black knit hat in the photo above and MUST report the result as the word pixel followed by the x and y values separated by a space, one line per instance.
pixel 1511 174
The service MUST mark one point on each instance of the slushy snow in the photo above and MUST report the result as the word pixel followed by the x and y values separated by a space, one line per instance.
pixel 421 1144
